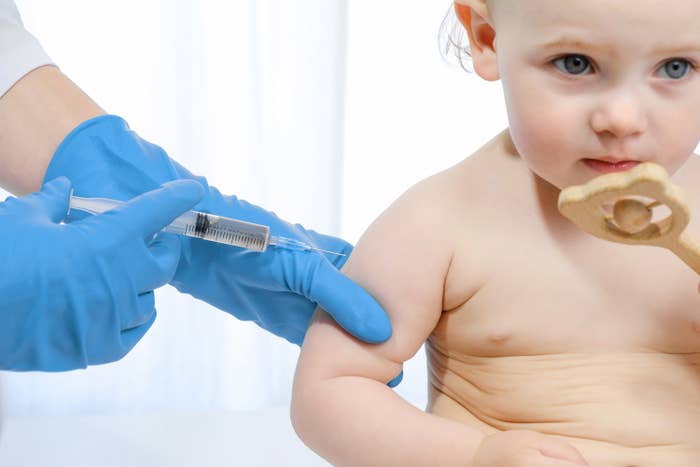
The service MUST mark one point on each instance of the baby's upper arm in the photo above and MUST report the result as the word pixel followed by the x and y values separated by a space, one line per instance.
pixel 402 261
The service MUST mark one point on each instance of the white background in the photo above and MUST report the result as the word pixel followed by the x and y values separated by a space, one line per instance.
pixel 323 111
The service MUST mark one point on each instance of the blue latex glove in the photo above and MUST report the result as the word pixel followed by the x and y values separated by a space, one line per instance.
pixel 79 294
pixel 278 289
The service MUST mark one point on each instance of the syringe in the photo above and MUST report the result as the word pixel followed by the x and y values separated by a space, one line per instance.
pixel 209 227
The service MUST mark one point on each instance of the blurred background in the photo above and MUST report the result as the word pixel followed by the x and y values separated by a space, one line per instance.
pixel 323 111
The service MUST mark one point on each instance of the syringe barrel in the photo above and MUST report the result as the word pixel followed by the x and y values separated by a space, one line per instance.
pixel 195 224
pixel 222 230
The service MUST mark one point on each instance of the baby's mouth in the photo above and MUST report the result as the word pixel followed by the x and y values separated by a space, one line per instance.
pixel 604 167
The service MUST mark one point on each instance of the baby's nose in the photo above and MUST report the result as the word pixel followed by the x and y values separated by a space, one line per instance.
pixel 620 116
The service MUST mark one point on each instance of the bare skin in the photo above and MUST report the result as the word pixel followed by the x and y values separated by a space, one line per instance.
pixel 605 354
pixel 531 325
pixel 36 114
pixel 547 346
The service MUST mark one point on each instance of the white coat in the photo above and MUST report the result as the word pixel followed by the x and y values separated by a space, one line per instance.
pixel 20 52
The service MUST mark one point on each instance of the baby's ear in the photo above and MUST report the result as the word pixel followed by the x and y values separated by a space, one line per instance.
pixel 474 16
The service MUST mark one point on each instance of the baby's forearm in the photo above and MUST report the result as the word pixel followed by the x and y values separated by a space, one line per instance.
pixel 354 421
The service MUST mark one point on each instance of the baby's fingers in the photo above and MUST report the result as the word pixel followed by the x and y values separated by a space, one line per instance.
pixel 549 462
pixel 559 452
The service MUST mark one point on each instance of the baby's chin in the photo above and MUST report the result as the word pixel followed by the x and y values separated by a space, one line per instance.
pixel 550 180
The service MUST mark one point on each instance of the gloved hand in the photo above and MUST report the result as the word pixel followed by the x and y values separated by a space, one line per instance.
pixel 278 289
pixel 80 294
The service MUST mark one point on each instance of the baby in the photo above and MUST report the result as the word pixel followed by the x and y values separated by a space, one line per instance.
pixel 546 346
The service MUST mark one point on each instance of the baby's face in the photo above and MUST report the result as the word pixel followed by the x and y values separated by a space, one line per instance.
pixel 605 80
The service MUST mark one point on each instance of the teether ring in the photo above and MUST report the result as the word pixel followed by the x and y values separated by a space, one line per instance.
pixel 631 221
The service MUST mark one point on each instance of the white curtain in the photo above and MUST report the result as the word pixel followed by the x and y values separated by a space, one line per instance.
pixel 323 111
pixel 249 94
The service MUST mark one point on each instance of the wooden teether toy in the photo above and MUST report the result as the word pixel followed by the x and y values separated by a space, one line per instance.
pixel 631 220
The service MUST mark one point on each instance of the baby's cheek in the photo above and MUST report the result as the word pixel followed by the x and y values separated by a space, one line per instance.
pixel 547 128
pixel 542 135
pixel 679 140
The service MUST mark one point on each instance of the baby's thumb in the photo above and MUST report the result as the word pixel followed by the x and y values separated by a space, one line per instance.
pixel 561 451
pixel 549 462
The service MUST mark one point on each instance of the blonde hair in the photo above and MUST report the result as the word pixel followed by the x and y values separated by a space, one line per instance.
pixel 454 41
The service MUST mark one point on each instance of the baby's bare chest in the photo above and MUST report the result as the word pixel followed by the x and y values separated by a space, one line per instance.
pixel 539 294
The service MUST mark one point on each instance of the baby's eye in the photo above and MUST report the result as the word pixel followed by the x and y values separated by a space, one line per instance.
pixel 676 68
pixel 572 64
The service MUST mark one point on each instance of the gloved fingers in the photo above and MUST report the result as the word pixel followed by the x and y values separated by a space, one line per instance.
pixel 334 244
pixel 142 313
pixel 53 200
pixel 396 381
pixel 132 336
pixel 150 212
pixel 284 313
pixel 292 335
pixel 161 266
pixel 348 303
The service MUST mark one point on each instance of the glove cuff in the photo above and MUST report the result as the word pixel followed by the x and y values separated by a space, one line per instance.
pixel 104 155
pixel 63 160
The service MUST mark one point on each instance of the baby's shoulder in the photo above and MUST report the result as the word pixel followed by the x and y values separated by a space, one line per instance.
pixel 466 202
pixel 446 196
pixel 483 186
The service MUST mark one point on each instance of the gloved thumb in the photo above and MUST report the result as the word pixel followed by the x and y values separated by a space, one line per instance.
pixel 348 303
pixel 396 381
pixel 53 200
pixel 150 212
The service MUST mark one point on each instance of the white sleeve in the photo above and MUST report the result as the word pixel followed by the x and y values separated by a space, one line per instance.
pixel 20 52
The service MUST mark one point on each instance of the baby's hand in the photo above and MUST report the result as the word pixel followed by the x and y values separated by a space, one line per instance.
pixel 522 448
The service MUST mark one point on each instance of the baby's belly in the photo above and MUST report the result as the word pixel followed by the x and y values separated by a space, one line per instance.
pixel 619 409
